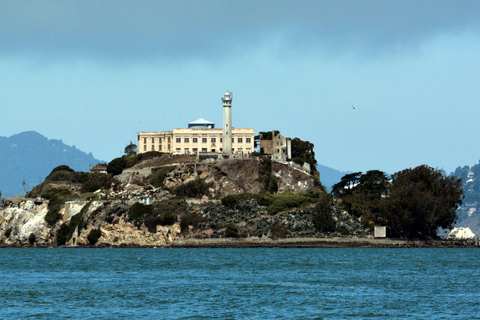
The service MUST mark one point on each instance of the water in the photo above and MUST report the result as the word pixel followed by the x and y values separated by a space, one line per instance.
pixel 255 283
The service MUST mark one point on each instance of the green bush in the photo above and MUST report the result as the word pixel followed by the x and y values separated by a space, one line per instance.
pixel 66 230
pixel 63 234
pixel 193 189
pixel 231 231
pixel 159 175
pixel 31 238
pixel 151 224
pixel 190 219
pixel 323 217
pixel 138 212
pixel 8 232
pixel 282 202
pixel 93 236
pixel 116 166
pixel 56 199
pixel 278 231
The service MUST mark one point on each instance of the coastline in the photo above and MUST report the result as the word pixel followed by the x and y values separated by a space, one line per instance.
pixel 336 242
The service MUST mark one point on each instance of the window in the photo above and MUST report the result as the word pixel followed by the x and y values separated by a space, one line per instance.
pixel 178 150
pixel 233 139
pixel 168 139
pixel 240 140
pixel 187 151
pixel 145 147
pixel 153 147
pixel 179 140
pixel 248 140
pixel 194 140
pixel 195 150
pixel 186 140
pixel 213 140
pixel 168 147
pixel 204 140
pixel 204 149
pixel 159 140
pixel 144 140
pixel 221 140
pixel 159 147
pixel 153 140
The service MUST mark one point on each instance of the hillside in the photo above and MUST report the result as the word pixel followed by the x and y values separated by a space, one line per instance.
pixel 155 205
pixel 30 156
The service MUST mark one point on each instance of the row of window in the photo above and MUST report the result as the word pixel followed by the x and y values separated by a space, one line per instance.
pixel 195 150
pixel 153 140
pixel 212 140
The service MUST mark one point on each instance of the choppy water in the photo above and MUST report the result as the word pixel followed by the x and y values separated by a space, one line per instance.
pixel 240 283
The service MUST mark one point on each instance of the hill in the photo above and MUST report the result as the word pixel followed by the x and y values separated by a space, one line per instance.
pixel 29 157
pixel 329 176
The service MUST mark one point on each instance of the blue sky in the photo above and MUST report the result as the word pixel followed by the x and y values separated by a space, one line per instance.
pixel 93 73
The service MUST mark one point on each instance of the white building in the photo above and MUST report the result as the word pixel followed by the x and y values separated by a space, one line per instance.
pixel 461 234
pixel 201 136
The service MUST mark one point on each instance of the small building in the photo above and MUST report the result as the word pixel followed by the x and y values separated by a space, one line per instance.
pixel 276 145
pixel 99 168
pixel 380 232
pixel 461 234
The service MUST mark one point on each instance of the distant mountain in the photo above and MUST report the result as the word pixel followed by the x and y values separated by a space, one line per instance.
pixel 329 176
pixel 469 212
pixel 31 157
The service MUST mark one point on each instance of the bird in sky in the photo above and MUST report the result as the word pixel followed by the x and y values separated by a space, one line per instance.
pixel 354 107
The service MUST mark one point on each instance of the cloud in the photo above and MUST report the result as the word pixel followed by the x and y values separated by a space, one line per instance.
pixel 211 30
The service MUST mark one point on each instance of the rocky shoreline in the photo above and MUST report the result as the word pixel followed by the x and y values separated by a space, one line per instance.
pixel 254 242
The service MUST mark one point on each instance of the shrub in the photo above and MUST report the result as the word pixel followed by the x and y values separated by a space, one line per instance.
pixel 57 198
pixel 323 218
pixel 278 231
pixel 193 189
pixel 151 224
pixel 159 176
pixel 116 166
pixel 282 202
pixel 63 234
pixel 31 238
pixel 8 232
pixel 138 212
pixel 190 219
pixel 93 236
pixel 231 231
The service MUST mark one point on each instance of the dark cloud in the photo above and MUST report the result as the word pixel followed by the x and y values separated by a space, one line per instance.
pixel 132 30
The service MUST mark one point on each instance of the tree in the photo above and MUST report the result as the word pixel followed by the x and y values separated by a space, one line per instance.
pixel 304 150
pixel 116 166
pixel 130 148
pixel 421 200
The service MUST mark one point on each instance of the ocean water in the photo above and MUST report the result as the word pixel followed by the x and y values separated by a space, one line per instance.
pixel 253 283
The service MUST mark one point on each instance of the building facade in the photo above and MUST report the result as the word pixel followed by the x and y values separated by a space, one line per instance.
pixel 201 136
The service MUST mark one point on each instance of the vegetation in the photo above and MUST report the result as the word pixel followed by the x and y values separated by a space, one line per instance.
pixel 270 182
pixel 421 200
pixel 94 235
pixel 193 189
pixel 66 230
pixel 159 175
pixel 231 231
pixel 57 198
pixel 8 232
pixel 190 219
pixel 31 238
pixel 322 214
pixel 414 204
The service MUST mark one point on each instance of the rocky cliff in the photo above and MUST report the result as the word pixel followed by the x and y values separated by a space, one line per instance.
pixel 133 212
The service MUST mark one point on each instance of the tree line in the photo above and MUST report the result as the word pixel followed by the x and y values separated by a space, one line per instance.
pixel 412 203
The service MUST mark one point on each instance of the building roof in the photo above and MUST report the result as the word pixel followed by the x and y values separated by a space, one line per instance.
pixel 201 121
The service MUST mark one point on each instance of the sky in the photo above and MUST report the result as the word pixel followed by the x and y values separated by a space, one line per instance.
pixel 94 73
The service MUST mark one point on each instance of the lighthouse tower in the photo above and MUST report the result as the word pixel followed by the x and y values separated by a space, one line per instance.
pixel 227 123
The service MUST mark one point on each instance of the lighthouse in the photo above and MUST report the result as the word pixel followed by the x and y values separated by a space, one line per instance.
pixel 227 123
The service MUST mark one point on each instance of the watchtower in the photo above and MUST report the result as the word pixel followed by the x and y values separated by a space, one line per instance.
pixel 227 123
